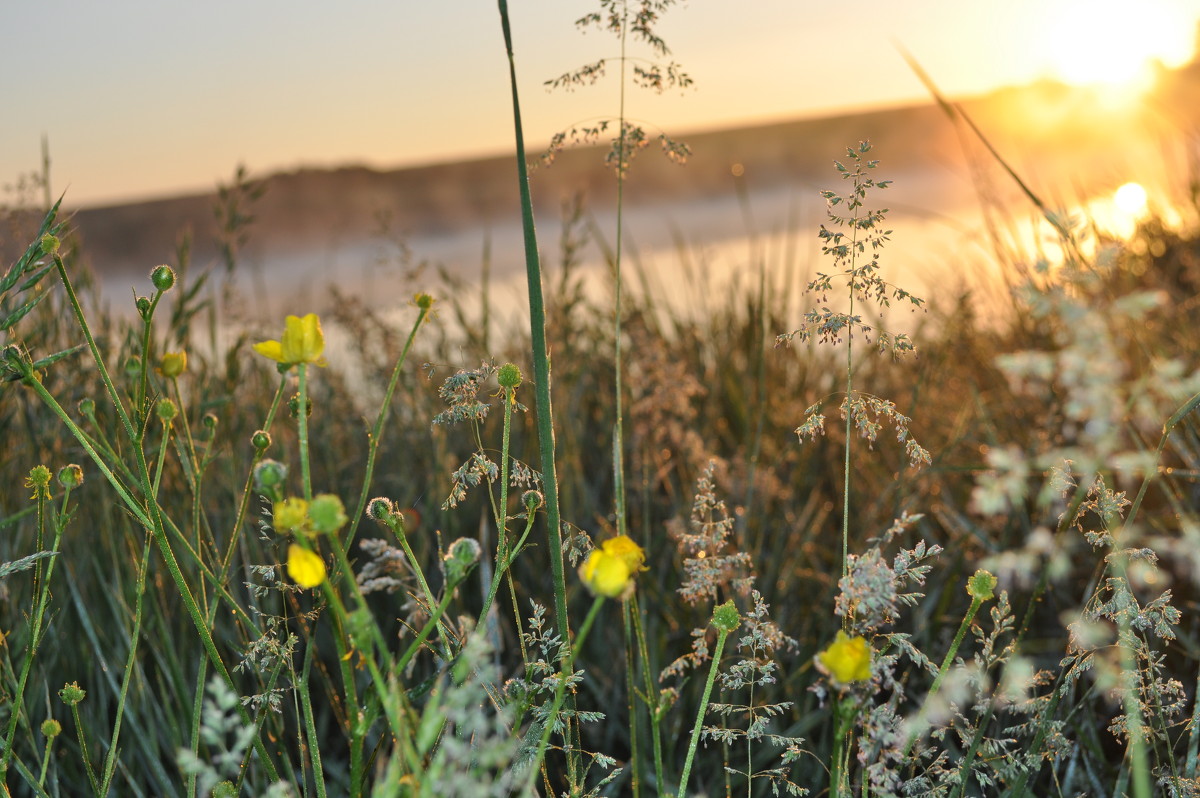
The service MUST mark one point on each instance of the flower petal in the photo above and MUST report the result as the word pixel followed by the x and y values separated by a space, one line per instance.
pixel 306 568
pixel 605 574
pixel 271 349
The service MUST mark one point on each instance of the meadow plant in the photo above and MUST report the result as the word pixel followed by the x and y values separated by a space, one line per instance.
pixel 196 609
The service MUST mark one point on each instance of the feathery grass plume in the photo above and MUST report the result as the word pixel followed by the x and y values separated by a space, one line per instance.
pixel 854 250
pixel 707 565
pixel 626 20
pixel 757 669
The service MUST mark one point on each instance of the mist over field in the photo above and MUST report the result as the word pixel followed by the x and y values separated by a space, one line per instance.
pixel 363 228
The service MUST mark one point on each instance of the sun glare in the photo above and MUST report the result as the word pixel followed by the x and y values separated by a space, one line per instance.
pixel 1114 43
pixel 1130 199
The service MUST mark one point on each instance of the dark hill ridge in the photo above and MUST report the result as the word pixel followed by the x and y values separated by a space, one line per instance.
pixel 312 210
pixel 315 207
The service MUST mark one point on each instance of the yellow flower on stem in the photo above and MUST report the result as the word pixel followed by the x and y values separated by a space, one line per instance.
pixel 605 575
pixel 290 514
pixel 306 568
pixel 623 548
pixel 303 342
pixel 172 364
pixel 847 660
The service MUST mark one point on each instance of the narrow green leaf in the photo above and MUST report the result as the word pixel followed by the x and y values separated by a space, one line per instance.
pixel 22 311
pixel 57 356
pixel 36 278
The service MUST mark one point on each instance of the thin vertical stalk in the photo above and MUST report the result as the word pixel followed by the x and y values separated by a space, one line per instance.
pixel 541 357
pixel 699 725
pixel 302 427
pixel 377 429
pixel 618 370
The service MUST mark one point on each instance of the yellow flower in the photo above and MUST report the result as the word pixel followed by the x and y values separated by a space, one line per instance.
pixel 847 660
pixel 303 342
pixel 606 574
pixel 306 568
pixel 623 548
pixel 290 514
pixel 172 364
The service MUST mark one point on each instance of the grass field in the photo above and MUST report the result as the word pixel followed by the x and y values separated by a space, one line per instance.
pixel 760 553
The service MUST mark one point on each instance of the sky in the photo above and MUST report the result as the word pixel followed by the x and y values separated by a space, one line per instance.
pixel 149 98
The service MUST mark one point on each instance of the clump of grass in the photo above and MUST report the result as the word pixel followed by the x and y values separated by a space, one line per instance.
pixel 223 624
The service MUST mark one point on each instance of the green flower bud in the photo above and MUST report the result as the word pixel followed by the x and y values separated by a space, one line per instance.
pixel 269 476
pixel 13 355
pixel 51 728
pixel 423 301
pixel 509 376
pixel 163 277
pixel 87 407
pixel 380 509
pixel 533 499
pixel 726 618
pixel 49 244
pixel 327 512
pixel 133 367
pixel 166 410
pixel 70 476
pixel 210 421
pixel 224 789
pixel 460 559
pixel 261 440
pixel 144 305
pixel 39 481
pixel 982 586
pixel 72 694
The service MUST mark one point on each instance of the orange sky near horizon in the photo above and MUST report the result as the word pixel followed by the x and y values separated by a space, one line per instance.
pixel 144 99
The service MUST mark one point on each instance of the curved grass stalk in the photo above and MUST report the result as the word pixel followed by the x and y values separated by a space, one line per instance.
pixel 377 429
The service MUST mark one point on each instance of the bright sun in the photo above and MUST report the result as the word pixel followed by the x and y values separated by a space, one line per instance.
pixel 1114 42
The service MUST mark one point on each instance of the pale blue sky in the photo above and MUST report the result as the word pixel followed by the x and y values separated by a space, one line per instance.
pixel 145 98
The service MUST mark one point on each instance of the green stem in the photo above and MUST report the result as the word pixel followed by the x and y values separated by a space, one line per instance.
pixel 429 599
pixel 541 357
pixel 377 428
pixel 83 750
pixel 434 621
pixel 302 430
pixel 839 771
pixel 635 757
pixel 310 726
pixel 947 661
pixel 144 377
pixel 110 763
pixel 656 705
pixel 503 562
pixel 560 691
pixel 16 703
pixel 713 668
pixel 619 430
pixel 1130 699
pixel 45 763
pixel 154 519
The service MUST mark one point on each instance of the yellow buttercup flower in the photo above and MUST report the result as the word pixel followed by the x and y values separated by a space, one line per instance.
pixel 291 513
pixel 847 660
pixel 172 364
pixel 303 342
pixel 605 574
pixel 623 548
pixel 306 568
